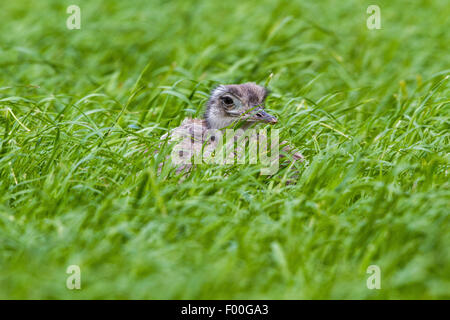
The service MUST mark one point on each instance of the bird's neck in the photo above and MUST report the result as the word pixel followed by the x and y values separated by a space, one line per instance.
pixel 214 123
pixel 215 120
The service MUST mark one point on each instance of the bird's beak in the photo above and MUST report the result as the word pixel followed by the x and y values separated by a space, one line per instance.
pixel 261 115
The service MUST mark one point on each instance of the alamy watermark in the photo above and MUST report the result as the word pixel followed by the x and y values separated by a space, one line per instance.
pixel 74 20
pixel 374 20
pixel 374 280
pixel 74 279
pixel 213 146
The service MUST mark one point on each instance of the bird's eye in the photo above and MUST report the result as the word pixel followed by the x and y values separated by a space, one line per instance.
pixel 227 100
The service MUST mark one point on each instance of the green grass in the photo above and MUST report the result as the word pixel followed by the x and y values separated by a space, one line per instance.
pixel 80 109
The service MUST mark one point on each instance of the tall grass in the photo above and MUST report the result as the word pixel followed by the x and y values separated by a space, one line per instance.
pixel 82 110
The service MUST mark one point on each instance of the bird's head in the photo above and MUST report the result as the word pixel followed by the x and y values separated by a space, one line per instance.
pixel 237 102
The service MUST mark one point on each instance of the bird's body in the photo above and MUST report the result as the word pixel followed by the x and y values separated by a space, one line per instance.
pixel 228 105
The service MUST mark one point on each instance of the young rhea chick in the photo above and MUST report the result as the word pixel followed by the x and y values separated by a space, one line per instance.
pixel 227 105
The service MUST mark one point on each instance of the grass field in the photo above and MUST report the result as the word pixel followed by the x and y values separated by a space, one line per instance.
pixel 80 109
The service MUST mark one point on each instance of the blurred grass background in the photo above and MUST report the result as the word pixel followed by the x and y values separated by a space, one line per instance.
pixel 80 109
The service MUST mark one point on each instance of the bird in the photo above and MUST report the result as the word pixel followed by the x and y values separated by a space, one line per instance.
pixel 228 106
